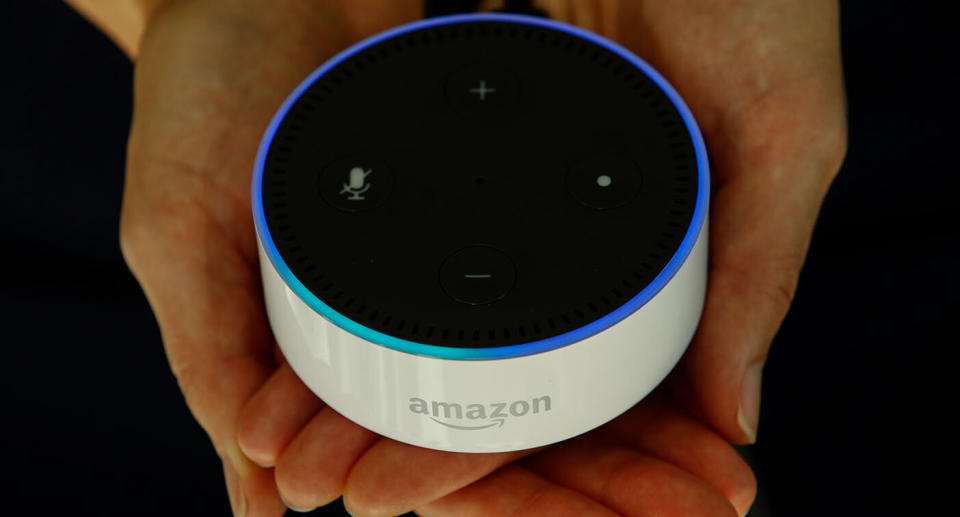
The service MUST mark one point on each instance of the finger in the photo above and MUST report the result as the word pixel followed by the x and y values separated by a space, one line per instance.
pixel 516 491
pixel 218 349
pixel 662 430
pixel 363 18
pixel 238 502
pixel 774 156
pixel 629 482
pixel 204 294
pixel 393 477
pixel 188 240
pixel 219 352
pixel 312 470
pixel 187 226
pixel 760 234
pixel 274 416
pixel 762 219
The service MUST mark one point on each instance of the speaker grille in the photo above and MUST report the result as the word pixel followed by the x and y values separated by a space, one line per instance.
pixel 575 264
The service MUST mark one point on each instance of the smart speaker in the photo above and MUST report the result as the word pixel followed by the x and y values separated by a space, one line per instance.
pixel 482 232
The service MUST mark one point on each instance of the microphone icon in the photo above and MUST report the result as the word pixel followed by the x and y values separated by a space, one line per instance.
pixel 357 184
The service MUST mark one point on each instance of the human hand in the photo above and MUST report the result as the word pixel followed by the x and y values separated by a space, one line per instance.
pixel 764 80
pixel 191 193
pixel 209 76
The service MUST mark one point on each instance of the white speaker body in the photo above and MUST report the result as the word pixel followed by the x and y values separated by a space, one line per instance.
pixel 491 405
pixel 490 399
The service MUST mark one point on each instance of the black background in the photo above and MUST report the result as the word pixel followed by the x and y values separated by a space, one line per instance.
pixel 93 420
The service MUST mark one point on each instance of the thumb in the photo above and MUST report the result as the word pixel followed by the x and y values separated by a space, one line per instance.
pixel 205 296
pixel 760 229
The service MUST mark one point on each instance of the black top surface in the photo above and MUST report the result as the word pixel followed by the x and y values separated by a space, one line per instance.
pixel 480 184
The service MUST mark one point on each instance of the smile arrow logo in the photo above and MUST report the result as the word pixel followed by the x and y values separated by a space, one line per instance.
pixel 496 421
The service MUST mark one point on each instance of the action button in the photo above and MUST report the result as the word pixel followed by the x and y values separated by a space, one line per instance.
pixel 604 181
pixel 483 88
pixel 356 183
pixel 477 275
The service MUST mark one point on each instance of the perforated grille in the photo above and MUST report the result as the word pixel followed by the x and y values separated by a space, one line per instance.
pixel 574 264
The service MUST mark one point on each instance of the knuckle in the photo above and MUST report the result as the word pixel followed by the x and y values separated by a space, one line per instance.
pixel 778 284
pixel 837 152
pixel 831 146
pixel 131 242
pixel 769 281
pixel 190 382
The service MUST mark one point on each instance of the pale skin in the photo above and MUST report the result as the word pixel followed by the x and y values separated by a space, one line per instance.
pixel 762 77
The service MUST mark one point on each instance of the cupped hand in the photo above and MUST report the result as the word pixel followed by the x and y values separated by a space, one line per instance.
pixel 763 79
pixel 208 78
pixel 765 82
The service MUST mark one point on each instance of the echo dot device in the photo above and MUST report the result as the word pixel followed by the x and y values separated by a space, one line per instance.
pixel 482 232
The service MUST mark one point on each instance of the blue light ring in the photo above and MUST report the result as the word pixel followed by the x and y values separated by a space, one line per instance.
pixel 502 352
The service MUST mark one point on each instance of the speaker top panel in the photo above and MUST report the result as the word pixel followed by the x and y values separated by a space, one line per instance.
pixel 479 182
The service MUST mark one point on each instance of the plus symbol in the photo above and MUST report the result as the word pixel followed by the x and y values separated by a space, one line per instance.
pixel 482 90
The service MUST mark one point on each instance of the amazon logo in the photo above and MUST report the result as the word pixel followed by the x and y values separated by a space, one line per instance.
pixel 471 417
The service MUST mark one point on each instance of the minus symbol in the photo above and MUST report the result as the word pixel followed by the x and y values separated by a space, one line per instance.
pixel 477 276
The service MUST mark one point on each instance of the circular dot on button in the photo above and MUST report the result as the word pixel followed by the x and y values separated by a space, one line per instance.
pixel 604 181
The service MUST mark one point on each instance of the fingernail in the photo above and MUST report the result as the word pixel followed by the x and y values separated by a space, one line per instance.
pixel 238 502
pixel 748 416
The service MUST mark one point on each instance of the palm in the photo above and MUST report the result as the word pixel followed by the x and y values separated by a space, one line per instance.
pixel 186 227
pixel 207 85
pixel 201 109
